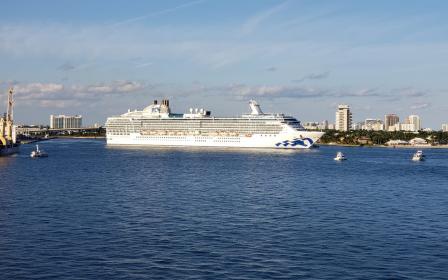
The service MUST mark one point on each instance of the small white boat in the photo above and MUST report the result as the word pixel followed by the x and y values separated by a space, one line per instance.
pixel 340 156
pixel 38 153
pixel 418 156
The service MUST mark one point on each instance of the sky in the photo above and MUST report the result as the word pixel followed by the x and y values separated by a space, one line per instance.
pixel 300 57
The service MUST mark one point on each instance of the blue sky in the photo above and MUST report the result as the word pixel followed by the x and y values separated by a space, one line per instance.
pixel 99 58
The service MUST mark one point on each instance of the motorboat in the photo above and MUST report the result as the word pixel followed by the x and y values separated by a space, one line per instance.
pixel 340 156
pixel 38 153
pixel 418 156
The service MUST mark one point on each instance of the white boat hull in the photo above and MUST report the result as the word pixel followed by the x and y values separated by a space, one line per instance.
pixel 300 140
pixel 339 159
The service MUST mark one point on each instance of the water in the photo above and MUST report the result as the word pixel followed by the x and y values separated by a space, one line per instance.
pixel 93 212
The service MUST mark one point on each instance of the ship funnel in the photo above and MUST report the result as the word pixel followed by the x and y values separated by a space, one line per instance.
pixel 256 110
pixel 165 106
pixel 165 102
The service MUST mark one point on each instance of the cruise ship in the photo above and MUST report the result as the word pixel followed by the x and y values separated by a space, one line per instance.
pixel 156 125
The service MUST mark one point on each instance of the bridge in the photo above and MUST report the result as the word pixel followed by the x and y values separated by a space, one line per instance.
pixel 59 131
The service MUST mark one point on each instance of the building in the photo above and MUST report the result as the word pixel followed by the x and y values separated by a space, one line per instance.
pixel 415 120
pixel 316 125
pixel 357 126
pixel 396 142
pixel 28 130
pixel 343 118
pixel 311 125
pixel 412 123
pixel 418 141
pixel 323 125
pixel 407 127
pixel 65 122
pixel 364 140
pixel 445 127
pixel 373 124
pixel 395 127
pixel 390 121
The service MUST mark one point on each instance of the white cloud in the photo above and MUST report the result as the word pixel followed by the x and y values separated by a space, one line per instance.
pixel 313 76
pixel 38 88
pixel 128 86
pixel 271 91
pixel 420 106
pixel 49 94
pixel 116 87
pixel 100 88
pixel 367 92
pixel 59 104
pixel 59 95
pixel 411 92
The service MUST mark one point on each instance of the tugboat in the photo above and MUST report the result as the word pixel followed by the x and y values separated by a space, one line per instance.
pixel 38 153
pixel 418 156
pixel 340 157
pixel 8 144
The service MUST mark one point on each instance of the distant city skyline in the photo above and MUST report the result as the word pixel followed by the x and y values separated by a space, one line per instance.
pixel 99 58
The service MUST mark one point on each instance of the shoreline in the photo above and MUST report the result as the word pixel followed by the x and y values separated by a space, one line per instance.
pixel 80 137
pixel 25 142
pixel 385 146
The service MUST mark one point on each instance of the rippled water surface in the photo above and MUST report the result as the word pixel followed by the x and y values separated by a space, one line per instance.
pixel 93 212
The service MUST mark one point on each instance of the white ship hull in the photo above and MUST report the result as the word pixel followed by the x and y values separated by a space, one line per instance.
pixel 305 139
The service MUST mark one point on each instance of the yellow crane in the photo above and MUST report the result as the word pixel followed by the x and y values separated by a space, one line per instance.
pixel 6 123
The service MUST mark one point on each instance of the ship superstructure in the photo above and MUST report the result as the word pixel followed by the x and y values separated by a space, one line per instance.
pixel 157 125
pixel 8 143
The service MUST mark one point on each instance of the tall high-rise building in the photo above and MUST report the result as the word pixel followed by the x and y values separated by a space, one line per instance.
pixel 324 125
pixel 343 118
pixel 445 127
pixel 413 122
pixel 357 125
pixel 63 121
pixel 390 121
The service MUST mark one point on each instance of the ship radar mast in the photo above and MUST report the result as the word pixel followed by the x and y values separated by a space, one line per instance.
pixel 256 110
